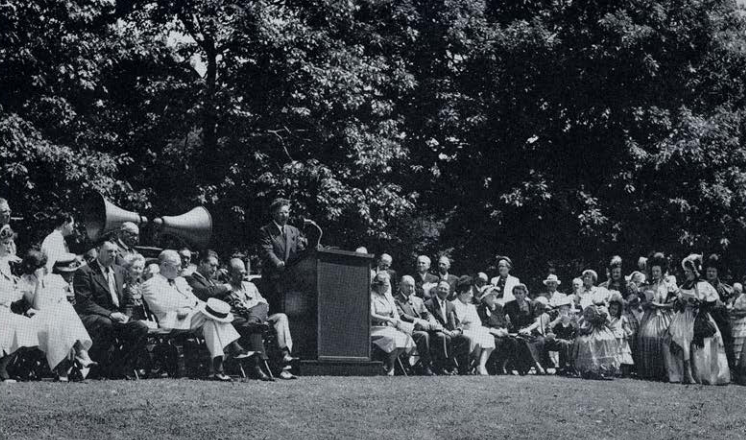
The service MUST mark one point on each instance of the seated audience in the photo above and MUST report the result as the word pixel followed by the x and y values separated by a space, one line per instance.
pixel 252 316
pixel 171 300
pixel 99 300
pixel 552 295
pixel 493 318
pixel 59 329
pixel 561 337
pixel 128 237
pixel 388 331
pixel 412 309
pixel 203 280
pixel 481 340
pixel 456 343
pixel 523 315
pixel 596 347
pixel 134 305
pixel 187 267
pixel 18 330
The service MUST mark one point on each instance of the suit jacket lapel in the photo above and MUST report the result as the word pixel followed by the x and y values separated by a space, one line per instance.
pixel 99 277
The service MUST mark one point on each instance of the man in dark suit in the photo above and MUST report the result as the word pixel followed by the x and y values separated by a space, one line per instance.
pixel 423 277
pixel 444 265
pixel 457 344
pixel 99 302
pixel 280 244
pixel 202 281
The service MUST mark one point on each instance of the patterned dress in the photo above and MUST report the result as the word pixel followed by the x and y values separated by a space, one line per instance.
pixel 738 331
pixel 707 357
pixel 652 352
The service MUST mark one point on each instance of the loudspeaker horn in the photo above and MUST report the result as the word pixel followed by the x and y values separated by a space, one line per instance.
pixel 100 216
pixel 194 227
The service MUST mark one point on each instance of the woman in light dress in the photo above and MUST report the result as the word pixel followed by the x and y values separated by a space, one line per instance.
pixel 62 336
pixel 480 339
pixel 18 331
pixel 737 310
pixel 696 343
pixel 596 347
pixel 388 332
pixel 653 356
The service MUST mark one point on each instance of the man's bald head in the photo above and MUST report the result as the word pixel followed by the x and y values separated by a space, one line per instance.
pixel 237 270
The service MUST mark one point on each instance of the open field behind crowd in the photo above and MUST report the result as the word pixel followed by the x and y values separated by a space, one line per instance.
pixel 373 408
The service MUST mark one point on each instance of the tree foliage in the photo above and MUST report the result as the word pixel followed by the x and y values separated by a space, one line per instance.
pixel 553 131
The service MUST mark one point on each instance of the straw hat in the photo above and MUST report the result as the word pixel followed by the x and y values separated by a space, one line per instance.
pixel 552 278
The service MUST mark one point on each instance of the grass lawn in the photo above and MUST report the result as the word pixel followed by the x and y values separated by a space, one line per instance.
pixel 378 408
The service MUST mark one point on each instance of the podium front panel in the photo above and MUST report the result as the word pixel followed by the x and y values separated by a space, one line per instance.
pixel 343 307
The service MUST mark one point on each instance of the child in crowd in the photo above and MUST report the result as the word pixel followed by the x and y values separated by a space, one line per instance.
pixel 562 336
pixel 619 325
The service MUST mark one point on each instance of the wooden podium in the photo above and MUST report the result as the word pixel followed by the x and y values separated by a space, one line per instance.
pixel 326 296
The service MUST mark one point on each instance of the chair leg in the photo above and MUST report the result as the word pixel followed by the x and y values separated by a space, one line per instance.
pixel 401 366
pixel 269 370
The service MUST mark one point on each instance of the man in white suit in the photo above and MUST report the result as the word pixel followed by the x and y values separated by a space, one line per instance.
pixel 171 300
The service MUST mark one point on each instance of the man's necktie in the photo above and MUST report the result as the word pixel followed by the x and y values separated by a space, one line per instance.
pixel 112 287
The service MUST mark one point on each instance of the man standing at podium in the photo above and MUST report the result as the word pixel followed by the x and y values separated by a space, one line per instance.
pixel 280 243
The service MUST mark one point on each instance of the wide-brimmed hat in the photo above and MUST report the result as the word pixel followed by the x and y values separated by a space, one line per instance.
pixel 67 262
pixel 552 278
pixel 543 301
pixel 489 290
pixel 694 261
pixel 217 310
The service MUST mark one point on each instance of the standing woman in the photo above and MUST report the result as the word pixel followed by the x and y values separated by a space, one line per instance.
pixel 616 279
pixel 483 343
pixel 505 281
pixel 652 354
pixel 388 332
pixel 696 342
pixel 522 315
pixel 738 331
pixel 61 334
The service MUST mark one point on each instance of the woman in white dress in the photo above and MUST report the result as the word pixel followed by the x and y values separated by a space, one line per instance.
pixel 17 330
pixel 696 343
pixel 61 334
pixel 388 332
pixel 480 339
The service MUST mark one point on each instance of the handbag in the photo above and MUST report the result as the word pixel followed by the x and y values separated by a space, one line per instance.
pixel 703 325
